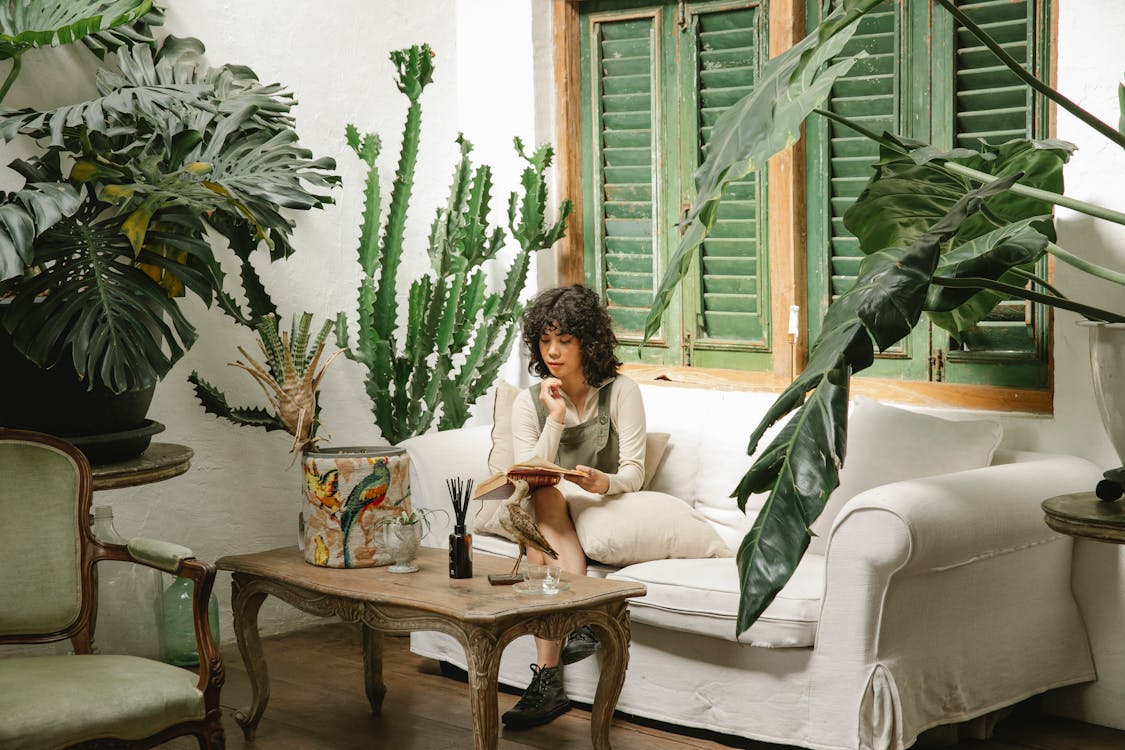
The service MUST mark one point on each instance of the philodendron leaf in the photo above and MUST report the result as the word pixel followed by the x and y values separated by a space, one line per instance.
pixel 992 256
pixel 806 475
pixel 912 188
pixel 801 465
pixel 765 122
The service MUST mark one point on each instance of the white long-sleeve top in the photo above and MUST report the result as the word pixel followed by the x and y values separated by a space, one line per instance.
pixel 626 412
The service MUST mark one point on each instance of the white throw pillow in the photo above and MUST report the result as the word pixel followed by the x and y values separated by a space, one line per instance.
pixel 502 454
pixel 640 526
pixel 887 444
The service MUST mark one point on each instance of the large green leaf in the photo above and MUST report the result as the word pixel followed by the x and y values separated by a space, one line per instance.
pixel 48 23
pixel 801 465
pixel 991 256
pixel 765 122
pixel 26 214
pixel 912 188
pixel 91 304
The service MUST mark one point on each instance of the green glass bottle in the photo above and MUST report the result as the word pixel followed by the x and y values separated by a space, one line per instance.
pixel 177 625
pixel 128 599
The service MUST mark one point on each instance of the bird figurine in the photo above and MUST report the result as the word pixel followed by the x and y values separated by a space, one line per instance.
pixel 517 521
pixel 368 493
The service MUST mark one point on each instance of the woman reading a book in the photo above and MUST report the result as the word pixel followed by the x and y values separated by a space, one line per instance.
pixel 581 415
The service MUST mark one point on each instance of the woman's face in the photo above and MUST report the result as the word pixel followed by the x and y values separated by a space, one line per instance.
pixel 562 353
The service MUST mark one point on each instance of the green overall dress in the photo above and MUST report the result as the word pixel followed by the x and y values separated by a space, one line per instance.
pixel 592 443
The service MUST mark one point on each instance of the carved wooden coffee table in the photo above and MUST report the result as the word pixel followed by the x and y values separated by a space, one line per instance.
pixel 483 618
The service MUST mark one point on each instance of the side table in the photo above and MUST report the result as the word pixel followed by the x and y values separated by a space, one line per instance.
pixel 483 618
pixel 1082 514
pixel 159 461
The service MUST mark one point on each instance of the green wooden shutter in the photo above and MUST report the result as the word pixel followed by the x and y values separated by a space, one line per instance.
pixel 990 103
pixel 624 134
pixel 841 162
pixel 733 307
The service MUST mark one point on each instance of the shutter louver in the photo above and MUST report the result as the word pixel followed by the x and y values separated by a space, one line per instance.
pixel 734 273
pixel 867 93
pixel 626 108
pixel 993 105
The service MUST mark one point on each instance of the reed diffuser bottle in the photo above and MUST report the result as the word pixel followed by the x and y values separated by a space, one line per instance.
pixel 460 541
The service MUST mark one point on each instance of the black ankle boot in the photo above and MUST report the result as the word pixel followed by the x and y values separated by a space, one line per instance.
pixel 579 644
pixel 543 700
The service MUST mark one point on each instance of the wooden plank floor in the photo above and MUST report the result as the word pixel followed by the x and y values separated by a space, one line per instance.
pixel 317 702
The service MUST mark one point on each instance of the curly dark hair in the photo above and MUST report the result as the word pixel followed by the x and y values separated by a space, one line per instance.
pixel 574 311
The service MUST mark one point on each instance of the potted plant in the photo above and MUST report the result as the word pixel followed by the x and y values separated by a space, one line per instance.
pixel 456 334
pixel 964 236
pixel 113 222
pixel 403 534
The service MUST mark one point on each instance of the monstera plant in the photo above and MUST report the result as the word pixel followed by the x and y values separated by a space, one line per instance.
pixel 100 24
pixel 113 221
pixel 948 234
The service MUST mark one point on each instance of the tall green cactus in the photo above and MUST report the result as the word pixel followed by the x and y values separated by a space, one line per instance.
pixel 456 335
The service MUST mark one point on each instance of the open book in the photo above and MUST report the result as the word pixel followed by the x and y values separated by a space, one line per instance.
pixel 537 472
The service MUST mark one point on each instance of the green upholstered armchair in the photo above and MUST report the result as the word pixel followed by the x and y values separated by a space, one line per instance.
pixel 48 593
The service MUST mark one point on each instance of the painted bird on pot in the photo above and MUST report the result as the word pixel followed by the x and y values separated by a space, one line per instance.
pixel 369 492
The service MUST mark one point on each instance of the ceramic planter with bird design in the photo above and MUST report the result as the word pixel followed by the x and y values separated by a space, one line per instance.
pixel 350 493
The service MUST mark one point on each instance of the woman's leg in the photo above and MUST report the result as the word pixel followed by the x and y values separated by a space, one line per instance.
pixel 553 517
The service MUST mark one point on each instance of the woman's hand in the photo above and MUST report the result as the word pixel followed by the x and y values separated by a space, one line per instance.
pixel 595 481
pixel 550 394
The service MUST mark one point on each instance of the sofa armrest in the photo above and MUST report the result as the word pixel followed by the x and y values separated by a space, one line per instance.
pixel 437 456
pixel 956 577
pixel 953 519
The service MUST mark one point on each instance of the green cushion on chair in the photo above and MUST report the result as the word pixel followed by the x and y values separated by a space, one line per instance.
pixel 56 701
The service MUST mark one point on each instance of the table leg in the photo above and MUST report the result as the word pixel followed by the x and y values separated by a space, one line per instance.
pixel 246 602
pixel 373 668
pixel 483 656
pixel 614 635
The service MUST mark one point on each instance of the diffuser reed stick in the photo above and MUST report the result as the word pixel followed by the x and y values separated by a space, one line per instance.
pixel 460 491
pixel 460 541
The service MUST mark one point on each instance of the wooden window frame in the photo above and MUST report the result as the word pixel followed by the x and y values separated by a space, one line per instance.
pixel 786 206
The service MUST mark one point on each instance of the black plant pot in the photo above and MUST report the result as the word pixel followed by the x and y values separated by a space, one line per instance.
pixel 55 401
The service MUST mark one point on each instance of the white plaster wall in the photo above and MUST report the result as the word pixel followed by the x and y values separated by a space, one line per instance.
pixel 241 493
pixel 493 81
pixel 1091 59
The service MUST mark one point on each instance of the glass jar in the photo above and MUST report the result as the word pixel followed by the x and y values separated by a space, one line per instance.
pixel 177 626
pixel 128 599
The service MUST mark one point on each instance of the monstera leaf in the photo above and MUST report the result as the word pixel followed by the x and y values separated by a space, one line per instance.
pixel 49 23
pixel 26 214
pixel 25 24
pixel 92 304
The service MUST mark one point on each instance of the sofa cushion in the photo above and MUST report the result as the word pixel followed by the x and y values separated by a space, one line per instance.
pixel 502 454
pixel 701 596
pixel 887 444
pixel 639 526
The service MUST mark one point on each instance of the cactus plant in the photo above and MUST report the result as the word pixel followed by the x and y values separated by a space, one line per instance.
pixel 456 336
pixel 289 378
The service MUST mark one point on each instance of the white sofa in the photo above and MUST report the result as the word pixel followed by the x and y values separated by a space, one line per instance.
pixel 922 602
